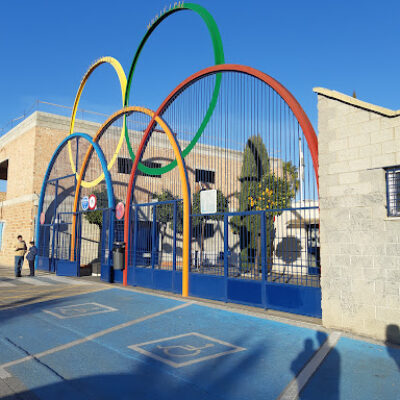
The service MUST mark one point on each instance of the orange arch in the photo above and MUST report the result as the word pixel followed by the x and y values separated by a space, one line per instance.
pixel 184 182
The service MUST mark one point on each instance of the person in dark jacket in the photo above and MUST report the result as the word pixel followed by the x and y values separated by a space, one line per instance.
pixel 32 253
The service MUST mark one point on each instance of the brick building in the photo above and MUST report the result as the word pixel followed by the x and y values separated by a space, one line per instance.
pixel 25 152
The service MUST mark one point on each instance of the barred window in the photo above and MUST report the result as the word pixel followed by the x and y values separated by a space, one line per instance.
pixel 124 165
pixel 393 191
pixel 205 176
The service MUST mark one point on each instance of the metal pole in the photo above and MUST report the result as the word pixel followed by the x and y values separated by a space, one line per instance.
pixel 174 245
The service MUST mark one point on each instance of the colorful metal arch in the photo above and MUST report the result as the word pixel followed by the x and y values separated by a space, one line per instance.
pixel 184 181
pixel 291 101
pixel 218 58
pixel 297 110
pixel 100 154
pixel 123 83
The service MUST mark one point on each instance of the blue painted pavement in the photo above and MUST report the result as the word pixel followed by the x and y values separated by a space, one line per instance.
pixel 146 351
pixel 356 370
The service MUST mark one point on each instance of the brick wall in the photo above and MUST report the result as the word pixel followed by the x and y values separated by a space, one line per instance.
pixel 360 245
pixel 19 220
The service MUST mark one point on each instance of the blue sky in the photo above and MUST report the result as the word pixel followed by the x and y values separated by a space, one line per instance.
pixel 46 46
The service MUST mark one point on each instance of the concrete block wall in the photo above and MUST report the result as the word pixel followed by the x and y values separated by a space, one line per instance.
pixel 360 244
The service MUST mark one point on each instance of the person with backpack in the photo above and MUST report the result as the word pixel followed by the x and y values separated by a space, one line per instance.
pixel 20 250
pixel 32 253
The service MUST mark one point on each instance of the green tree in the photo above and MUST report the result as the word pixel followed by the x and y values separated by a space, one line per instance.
pixel 290 173
pixel 260 189
pixel 199 223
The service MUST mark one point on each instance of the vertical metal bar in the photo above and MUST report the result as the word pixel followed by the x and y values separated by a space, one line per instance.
pixel 111 234
pixel 175 215
pixel 78 242
pixel 56 244
pixel 76 181
pixel 263 259
pixel 388 205
pixel 226 259
pixel 153 237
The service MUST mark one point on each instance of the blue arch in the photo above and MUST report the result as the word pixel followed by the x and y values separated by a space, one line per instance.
pixel 103 162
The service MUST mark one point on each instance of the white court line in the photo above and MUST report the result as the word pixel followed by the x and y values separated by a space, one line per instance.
pixel 69 281
pixel 31 280
pixel 6 284
pixel 87 338
pixel 292 391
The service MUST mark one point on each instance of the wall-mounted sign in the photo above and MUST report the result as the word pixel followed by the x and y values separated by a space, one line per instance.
pixel 208 201
pixel 85 203
pixel 120 210
pixel 92 202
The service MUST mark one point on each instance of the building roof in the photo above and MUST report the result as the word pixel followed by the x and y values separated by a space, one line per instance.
pixel 333 94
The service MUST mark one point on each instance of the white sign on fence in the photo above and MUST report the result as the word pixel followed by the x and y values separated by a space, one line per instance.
pixel 208 201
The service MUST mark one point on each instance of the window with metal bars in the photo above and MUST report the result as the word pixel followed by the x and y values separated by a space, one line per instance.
pixel 125 166
pixel 205 176
pixel 393 191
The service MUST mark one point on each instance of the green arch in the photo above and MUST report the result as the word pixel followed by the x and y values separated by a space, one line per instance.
pixel 218 58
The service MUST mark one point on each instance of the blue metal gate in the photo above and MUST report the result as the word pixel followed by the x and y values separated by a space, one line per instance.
pixel 153 258
pixel 282 273
pixel 58 198
pixel 61 259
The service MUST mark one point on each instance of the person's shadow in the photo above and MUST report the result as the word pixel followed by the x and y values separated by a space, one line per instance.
pixel 393 337
pixel 325 381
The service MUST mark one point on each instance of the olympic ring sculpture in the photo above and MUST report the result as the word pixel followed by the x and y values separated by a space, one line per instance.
pixel 156 118
pixel 122 80
pixel 126 87
pixel 183 175
pixel 100 154
pixel 218 59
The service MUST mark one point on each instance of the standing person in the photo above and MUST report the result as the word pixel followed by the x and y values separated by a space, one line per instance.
pixel 20 250
pixel 31 257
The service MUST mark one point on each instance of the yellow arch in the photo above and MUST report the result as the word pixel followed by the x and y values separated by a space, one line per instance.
pixel 122 80
pixel 184 182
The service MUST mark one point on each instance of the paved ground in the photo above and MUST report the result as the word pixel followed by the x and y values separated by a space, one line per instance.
pixel 77 339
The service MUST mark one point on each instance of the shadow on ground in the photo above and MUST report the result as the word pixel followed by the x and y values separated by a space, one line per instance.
pixel 393 337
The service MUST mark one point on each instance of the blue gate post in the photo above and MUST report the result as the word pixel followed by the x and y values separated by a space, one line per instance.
pixel 174 245
pixel 263 259
pixel 226 258
pixel 53 261
pixel 107 241
pixel 78 244
pixel 135 226
pixel 56 236
pixel 110 238
pixel 76 181
pixel 153 237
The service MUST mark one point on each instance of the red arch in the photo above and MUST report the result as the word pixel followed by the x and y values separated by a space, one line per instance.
pixel 307 128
